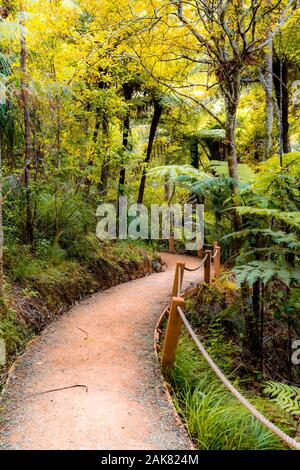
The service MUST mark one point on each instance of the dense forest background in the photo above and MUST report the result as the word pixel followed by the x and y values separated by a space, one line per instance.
pixel 159 101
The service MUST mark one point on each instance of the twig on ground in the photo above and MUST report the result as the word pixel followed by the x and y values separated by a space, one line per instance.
pixel 64 388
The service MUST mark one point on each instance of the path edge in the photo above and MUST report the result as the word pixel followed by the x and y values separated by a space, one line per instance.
pixel 179 421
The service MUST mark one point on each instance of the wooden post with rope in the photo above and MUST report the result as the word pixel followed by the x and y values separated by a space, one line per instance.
pixel 217 261
pixel 215 244
pixel 177 283
pixel 172 334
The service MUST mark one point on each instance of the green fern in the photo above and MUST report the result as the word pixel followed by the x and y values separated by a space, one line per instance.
pixel 287 397
pixel 175 172
pixel 266 270
pixel 210 134
pixel 246 173
pixel 289 218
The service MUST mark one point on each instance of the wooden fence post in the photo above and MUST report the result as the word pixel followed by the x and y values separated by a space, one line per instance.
pixel 217 261
pixel 207 267
pixel 200 253
pixel 178 279
pixel 172 334
pixel 215 244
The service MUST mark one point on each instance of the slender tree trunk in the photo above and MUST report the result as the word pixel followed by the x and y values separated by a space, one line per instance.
pixel 280 76
pixel 154 125
pixel 194 152
pixel 232 95
pixel 128 91
pixel 125 144
pixel 11 136
pixel 103 185
pixel 268 82
pixel 250 313
pixel 28 144
pixel 95 150
pixel 231 109
pixel 96 133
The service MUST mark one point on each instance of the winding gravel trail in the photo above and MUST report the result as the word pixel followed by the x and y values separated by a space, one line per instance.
pixel 105 344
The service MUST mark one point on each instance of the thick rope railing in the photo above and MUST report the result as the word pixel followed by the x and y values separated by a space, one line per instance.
pixel 191 270
pixel 267 423
pixel 176 317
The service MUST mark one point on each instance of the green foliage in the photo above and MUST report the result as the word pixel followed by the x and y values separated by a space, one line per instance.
pixel 246 173
pixel 213 134
pixel 266 271
pixel 214 418
pixel 174 173
pixel 13 332
pixel 290 218
pixel 287 397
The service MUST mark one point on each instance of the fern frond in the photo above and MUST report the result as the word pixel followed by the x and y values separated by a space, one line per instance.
pixel 290 218
pixel 175 172
pixel 266 270
pixel 246 174
pixel 287 397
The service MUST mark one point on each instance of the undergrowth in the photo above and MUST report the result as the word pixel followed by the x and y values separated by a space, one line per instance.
pixel 214 418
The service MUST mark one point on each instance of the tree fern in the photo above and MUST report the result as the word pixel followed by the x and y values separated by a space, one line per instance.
pixel 176 172
pixel 290 218
pixel 210 134
pixel 287 397
pixel 246 174
pixel 266 270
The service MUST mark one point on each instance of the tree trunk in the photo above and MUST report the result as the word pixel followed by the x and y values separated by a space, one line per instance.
pixel 128 91
pixel 103 185
pixel 216 149
pixel 268 82
pixel 28 150
pixel 280 77
pixel 231 109
pixel 126 130
pixel 251 319
pixel 194 152
pixel 232 95
pixel 154 125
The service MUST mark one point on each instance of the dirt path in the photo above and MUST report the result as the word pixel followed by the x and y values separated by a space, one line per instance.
pixel 106 344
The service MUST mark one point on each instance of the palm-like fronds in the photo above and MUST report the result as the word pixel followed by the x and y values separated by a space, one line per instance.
pixel 287 397
pixel 290 218
pixel 246 173
pixel 265 271
pixel 175 173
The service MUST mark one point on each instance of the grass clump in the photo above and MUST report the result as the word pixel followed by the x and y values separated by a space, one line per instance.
pixel 214 418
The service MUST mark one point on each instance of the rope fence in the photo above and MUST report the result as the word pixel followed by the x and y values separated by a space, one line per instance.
pixel 265 421
pixel 176 318
pixel 199 267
